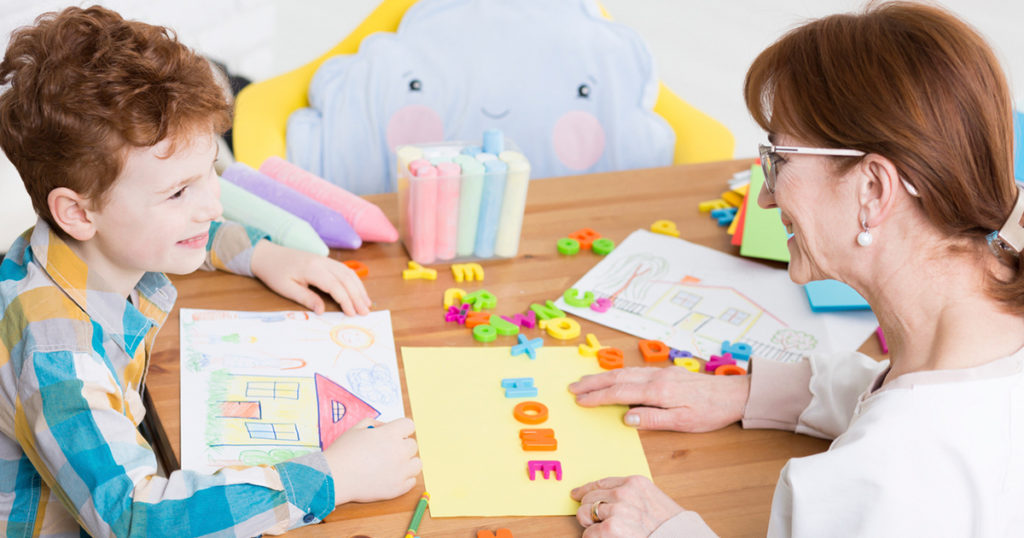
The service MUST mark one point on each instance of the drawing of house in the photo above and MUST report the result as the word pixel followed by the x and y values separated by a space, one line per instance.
pixel 299 411
pixel 715 313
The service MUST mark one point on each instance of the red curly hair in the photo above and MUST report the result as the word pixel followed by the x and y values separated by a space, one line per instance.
pixel 86 85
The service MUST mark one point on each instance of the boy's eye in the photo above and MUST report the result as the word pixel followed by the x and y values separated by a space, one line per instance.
pixel 178 194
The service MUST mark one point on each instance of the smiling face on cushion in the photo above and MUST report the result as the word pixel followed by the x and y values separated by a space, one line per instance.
pixel 573 90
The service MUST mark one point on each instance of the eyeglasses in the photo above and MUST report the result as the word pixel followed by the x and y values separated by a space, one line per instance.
pixel 770 157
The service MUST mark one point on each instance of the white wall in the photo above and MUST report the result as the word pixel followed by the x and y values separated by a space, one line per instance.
pixel 702 48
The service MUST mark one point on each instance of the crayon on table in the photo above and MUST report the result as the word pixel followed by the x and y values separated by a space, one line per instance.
pixel 284 228
pixel 510 223
pixel 470 190
pixel 417 516
pixel 422 204
pixel 448 178
pixel 366 218
pixel 329 224
pixel 490 207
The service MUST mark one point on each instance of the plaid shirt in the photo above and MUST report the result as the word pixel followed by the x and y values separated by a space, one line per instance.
pixel 73 356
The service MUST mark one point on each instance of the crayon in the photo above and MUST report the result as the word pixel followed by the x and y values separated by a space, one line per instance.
pixel 366 218
pixel 284 228
pixel 330 225
pixel 417 516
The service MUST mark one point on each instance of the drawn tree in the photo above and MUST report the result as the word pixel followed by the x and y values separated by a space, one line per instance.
pixel 793 340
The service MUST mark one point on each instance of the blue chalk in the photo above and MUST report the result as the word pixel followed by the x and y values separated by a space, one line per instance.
pixel 472 151
pixel 527 346
pixel 490 207
pixel 494 141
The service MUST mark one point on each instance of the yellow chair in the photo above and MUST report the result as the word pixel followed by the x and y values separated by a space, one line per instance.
pixel 262 109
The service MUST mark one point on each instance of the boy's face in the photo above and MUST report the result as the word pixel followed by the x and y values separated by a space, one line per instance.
pixel 158 212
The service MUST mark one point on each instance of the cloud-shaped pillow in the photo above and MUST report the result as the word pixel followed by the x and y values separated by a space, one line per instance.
pixel 573 90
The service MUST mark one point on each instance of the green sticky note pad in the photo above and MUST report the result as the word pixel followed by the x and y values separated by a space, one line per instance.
pixel 764 236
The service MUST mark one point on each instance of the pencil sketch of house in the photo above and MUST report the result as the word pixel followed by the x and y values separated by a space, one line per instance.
pixel 713 313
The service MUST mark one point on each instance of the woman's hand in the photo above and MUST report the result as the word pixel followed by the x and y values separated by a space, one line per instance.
pixel 625 507
pixel 672 398
pixel 290 273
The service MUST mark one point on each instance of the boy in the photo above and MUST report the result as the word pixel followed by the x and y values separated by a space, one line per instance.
pixel 112 126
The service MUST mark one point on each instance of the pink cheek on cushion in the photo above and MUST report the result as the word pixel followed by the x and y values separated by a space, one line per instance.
pixel 578 139
pixel 414 124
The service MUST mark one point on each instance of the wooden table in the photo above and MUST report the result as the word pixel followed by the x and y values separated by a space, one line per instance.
pixel 727 476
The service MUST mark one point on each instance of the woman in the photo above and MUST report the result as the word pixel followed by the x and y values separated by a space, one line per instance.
pixel 891 164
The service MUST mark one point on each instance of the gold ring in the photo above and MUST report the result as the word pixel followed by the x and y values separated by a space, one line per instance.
pixel 593 512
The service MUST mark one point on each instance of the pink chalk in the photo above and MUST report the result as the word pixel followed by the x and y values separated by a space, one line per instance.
pixel 448 178
pixel 330 225
pixel 422 220
pixel 366 218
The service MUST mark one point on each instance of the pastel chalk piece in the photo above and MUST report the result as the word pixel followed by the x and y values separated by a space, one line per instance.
pixel 513 205
pixel 360 268
pixel 538 439
pixel 422 207
pixel 653 350
pixel 484 333
pixel 503 326
pixel 330 225
pixel 739 350
pixel 366 218
pixel 718 360
pixel 568 246
pixel 572 298
pixel 519 387
pixel 730 369
pixel 602 246
pixel 674 353
pixel 665 227
pixel 481 299
pixel 561 328
pixel 478 318
pixel 708 205
pixel 470 191
pixel 452 296
pixel 494 141
pixel 590 348
pixel 495 174
pixel 610 358
pixel 467 272
pixel 547 311
pixel 528 320
pixel 284 228
pixel 530 412
pixel 585 236
pixel 471 151
pixel 546 467
pixel 689 363
pixel 527 346
pixel 601 305
pixel 446 212
pixel 417 271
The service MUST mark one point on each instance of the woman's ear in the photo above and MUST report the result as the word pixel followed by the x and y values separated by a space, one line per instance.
pixel 70 211
pixel 879 183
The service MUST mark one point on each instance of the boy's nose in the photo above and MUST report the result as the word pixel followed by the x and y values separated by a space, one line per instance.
pixel 212 208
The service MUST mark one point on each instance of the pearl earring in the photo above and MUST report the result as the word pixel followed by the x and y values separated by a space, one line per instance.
pixel 864 238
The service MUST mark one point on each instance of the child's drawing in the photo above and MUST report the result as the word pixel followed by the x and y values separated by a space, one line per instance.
pixel 694 298
pixel 259 388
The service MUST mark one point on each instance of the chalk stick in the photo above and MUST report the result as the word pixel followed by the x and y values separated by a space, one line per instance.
pixel 284 228
pixel 490 207
pixel 366 218
pixel 422 213
pixel 330 225
pixel 448 178
pixel 470 189
pixel 510 223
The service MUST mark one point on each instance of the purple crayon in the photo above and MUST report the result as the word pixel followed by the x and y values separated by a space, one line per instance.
pixel 330 225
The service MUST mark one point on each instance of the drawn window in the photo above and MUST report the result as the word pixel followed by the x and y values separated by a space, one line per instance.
pixel 337 410
pixel 240 410
pixel 272 389
pixel 686 300
pixel 275 432
pixel 734 316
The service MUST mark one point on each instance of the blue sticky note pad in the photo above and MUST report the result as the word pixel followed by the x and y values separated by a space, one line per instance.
pixel 832 295
pixel 1018 144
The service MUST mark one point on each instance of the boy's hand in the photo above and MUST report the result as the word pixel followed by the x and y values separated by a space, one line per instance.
pixel 373 464
pixel 291 272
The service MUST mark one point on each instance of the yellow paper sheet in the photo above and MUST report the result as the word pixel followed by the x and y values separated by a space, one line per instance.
pixel 473 463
